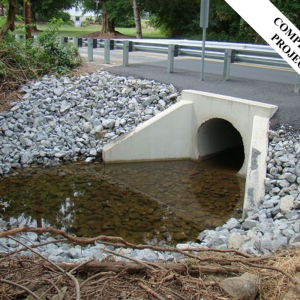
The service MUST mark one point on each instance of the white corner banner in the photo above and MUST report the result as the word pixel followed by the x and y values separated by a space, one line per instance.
pixel 272 26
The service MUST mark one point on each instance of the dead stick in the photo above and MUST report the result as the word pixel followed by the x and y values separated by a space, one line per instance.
pixel 77 287
pixel 97 275
pixel 151 292
pixel 129 258
pixel 20 287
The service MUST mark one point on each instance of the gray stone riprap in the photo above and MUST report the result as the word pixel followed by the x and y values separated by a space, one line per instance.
pixel 65 119
pixel 276 222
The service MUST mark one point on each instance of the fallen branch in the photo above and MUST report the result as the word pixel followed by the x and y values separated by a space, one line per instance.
pixel 118 241
pixel 132 268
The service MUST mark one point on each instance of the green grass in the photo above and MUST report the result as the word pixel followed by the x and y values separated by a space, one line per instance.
pixel 72 31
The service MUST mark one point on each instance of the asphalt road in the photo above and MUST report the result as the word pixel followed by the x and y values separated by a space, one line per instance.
pixel 262 84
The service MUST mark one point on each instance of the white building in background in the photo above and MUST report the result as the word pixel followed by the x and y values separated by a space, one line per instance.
pixel 78 16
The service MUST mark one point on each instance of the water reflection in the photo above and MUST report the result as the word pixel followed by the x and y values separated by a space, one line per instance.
pixel 154 203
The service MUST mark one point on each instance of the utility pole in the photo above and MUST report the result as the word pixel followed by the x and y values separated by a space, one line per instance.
pixel 204 16
pixel 27 10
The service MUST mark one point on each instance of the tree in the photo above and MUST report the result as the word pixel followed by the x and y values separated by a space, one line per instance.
pixel 10 21
pixel 290 8
pixel 46 9
pixel 176 18
pixel 108 24
pixel 114 12
pixel 137 19
pixel 27 17
pixel 101 6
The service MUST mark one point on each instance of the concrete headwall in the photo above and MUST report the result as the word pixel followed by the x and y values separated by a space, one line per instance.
pixel 184 132
pixel 173 134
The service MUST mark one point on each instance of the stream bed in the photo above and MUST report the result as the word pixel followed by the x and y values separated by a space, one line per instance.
pixel 159 203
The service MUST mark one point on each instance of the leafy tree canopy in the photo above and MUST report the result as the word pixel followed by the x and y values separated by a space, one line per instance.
pixel 46 9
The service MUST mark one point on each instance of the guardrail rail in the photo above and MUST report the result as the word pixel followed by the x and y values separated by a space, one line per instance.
pixel 229 53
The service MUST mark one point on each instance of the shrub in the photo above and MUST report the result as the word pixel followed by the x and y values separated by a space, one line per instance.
pixel 125 22
pixel 85 23
pixel 22 60
pixel 70 22
pixel 63 16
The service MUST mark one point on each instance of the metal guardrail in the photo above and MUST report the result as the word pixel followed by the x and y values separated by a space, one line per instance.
pixel 229 53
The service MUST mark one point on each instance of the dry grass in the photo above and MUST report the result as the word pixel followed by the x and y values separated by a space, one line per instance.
pixel 276 285
pixel 197 276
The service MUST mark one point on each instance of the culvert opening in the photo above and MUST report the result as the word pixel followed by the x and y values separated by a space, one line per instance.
pixel 220 144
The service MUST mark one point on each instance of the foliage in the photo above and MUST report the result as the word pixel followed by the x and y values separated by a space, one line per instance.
pixel 290 8
pixel 119 13
pixel 47 9
pixel 127 22
pixel 58 58
pixel 180 18
pixel 176 18
pixel 63 16
pixel 22 60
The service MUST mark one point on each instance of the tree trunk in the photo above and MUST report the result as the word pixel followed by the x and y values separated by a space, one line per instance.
pixel 27 11
pixel 107 25
pixel 10 21
pixel 137 19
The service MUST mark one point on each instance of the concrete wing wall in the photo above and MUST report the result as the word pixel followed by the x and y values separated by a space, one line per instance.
pixel 168 135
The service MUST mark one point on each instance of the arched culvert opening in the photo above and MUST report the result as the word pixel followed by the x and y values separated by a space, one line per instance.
pixel 220 144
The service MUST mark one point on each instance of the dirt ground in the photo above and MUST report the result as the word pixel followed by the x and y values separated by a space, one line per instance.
pixel 100 35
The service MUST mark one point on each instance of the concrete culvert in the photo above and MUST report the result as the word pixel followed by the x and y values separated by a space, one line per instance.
pixel 221 144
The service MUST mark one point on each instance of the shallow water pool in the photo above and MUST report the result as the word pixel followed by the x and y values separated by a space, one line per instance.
pixel 150 203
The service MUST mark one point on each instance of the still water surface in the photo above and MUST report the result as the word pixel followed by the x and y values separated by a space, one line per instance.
pixel 151 202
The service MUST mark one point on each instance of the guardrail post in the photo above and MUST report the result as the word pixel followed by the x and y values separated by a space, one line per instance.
pixel 127 47
pixel 297 84
pixel 228 59
pixel 108 45
pixel 75 42
pixel 61 40
pixel 172 52
pixel 90 50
